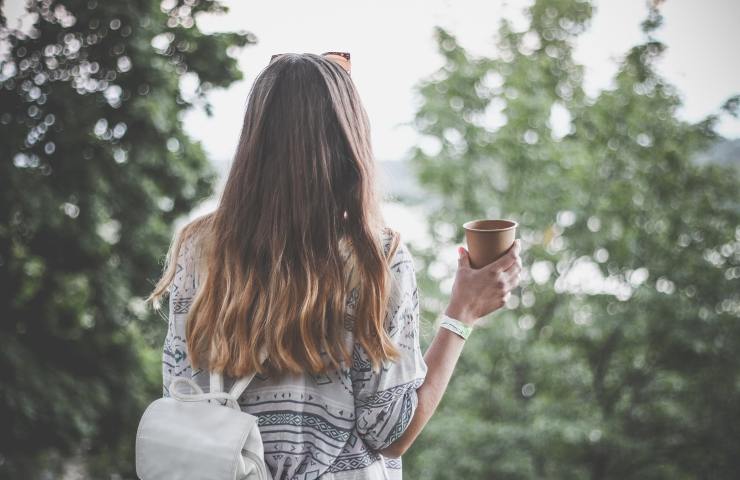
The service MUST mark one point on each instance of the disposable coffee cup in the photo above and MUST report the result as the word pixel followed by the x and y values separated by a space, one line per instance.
pixel 488 240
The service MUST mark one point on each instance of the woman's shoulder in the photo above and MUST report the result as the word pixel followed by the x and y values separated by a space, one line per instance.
pixel 192 235
pixel 392 243
pixel 187 254
pixel 400 260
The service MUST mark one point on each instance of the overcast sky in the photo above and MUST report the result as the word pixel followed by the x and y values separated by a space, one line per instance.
pixel 392 49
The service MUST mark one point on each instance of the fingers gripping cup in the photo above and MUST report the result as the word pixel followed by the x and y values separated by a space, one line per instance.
pixel 488 240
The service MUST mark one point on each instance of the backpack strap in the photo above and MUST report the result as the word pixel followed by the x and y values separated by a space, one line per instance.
pixel 240 385
pixel 199 395
pixel 217 381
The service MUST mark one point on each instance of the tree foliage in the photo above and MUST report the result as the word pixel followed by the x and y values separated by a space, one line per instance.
pixel 617 357
pixel 95 168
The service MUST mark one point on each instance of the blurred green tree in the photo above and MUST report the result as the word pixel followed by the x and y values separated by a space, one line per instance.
pixel 96 167
pixel 618 355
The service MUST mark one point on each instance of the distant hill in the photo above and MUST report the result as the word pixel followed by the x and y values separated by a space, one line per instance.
pixel 724 152
pixel 398 182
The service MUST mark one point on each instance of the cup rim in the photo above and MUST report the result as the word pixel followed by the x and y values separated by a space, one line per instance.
pixel 513 223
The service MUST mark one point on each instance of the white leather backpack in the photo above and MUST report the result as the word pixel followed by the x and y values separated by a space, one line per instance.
pixel 194 436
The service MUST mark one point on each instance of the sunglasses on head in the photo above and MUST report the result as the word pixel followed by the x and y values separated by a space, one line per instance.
pixel 342 58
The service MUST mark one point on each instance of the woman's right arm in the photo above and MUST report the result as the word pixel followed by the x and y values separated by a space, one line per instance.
pixel 475 294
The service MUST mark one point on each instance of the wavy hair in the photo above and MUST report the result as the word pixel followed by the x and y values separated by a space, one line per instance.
pixel 299 200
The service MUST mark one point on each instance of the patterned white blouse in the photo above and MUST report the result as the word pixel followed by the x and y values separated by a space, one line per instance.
pixel 327 426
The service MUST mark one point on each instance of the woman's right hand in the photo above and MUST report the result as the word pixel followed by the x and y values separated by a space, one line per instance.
pixel 478 292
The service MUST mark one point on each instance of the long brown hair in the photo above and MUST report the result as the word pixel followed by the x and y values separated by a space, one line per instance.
pixel 300 194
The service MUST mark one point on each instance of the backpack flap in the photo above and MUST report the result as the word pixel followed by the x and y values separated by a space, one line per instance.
pixel 178 440
pixel 193 436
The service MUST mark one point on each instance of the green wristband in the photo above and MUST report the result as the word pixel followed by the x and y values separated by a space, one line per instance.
pixel 455 326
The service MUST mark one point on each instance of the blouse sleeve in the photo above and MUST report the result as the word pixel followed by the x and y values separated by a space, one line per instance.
pixel 175 361
pixel 386 401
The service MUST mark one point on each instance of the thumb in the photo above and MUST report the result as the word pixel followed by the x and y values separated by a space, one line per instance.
pixel 463 260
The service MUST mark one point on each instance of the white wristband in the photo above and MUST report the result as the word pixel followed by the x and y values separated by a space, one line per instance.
pixel 455 326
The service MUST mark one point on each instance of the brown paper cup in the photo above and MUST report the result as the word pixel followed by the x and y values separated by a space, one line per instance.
pixel 488 240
